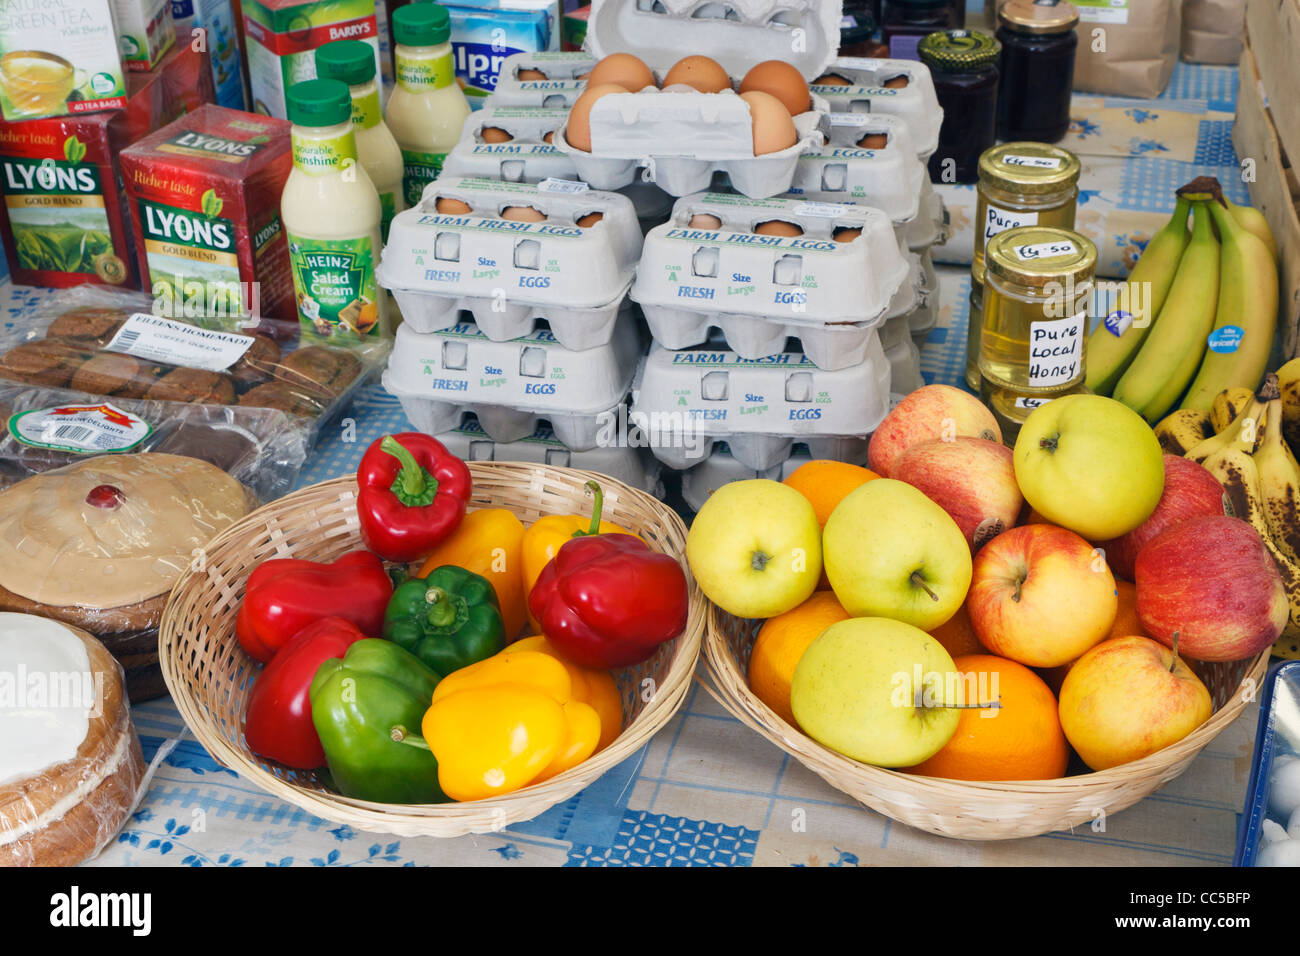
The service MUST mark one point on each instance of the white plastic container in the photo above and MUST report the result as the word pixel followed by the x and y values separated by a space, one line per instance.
pixel 630 465
pixel 509 386
pixel 680 139
pixel 866 92
pixel 510 273
pixel 761 289
pixel 686 400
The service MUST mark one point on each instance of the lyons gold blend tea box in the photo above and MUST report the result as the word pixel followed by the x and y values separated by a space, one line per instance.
pixel 204 194
pixel 58 57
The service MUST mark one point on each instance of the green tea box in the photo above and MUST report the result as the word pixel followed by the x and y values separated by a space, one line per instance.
pixel 144 31
pixel 58 57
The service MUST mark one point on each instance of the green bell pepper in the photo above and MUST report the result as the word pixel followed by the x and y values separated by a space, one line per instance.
pixel 356 702
pixel 449 619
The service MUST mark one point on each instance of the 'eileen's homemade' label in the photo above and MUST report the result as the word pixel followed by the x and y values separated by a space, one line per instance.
pixel 80 429
pixel 1056 351
pixel 176 343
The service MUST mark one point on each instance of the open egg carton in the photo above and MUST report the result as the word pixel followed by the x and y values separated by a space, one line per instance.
pixel 440 377
pixel 550 80
pixel 679 139
pixel 620 459
pixel 902 88
pixel 513 144
pixel 828 281
pixel 684 401
pixel 511 254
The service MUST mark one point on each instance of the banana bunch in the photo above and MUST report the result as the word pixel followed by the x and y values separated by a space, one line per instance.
pixel 1241 441
pixel 1209 301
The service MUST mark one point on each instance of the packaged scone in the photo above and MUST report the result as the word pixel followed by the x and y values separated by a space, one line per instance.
pixel 70 758
pixel 98 544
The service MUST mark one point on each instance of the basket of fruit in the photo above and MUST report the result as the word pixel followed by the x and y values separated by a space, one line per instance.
pixel 1006 643
pixel 410 707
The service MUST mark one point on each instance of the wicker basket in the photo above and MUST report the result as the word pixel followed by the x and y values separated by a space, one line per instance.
pixel 210 676
pixel 963 809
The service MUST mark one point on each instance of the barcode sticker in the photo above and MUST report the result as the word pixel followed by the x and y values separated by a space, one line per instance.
pixel 1033 162
pixel 177 343
pixel 80 429
pixel 1045 250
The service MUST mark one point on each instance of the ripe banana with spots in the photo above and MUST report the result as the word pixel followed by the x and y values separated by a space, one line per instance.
pixel 1182 430
pixel 1242 434
pixel 1228 404
pixel 1236 471
pixel 1279 484
pixel 1288 380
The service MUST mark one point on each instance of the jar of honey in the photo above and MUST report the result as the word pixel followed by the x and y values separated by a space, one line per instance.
pixel 1010 408
pixel 1024 184
pixel 973 326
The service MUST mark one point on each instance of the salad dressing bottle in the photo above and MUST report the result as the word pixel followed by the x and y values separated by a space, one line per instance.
pixel 427 109
pixel 331 212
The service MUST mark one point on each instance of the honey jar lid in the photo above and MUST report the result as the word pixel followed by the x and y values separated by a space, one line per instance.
pixel 1038 255
pixel 1028 169
pixel 952 51
pixel 1039 16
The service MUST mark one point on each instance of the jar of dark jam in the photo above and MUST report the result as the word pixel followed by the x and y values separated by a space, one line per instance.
pixel 858 30
pixel 1038 45
pixel 905 23
pixel 964 65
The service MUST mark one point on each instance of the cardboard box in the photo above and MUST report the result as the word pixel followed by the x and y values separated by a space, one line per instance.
pixel 1274 191
pixel 1273 31
pixel 484 33
pixel 144 32
pixel 213 22
pixel 59 58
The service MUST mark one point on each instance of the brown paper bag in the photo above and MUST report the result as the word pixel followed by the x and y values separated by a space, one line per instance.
pixel 1212 31
pixel 1126 47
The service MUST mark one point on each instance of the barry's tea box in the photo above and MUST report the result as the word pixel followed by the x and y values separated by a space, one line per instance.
pixel 204 194
pixel 58 57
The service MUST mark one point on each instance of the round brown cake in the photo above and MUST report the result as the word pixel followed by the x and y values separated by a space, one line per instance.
pixel 70 761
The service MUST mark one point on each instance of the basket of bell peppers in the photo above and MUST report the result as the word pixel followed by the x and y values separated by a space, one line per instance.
pixel 401 672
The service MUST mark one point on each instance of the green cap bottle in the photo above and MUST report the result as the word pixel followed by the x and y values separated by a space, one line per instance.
pixel 421 24
pixel 320 103
pixel 348 61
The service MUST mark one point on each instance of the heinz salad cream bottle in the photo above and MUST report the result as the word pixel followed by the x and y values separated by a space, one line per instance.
pixel 427 108
pixel 353 62
pixel 332 214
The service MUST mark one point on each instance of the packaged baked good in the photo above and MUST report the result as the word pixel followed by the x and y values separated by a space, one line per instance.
pixel 98 545
pixel 70 760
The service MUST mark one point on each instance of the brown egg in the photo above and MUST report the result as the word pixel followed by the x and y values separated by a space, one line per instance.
pixel 874 141
pixel 452 207
pixel 578 132
pixel 896 83
pixel 778 227
pixel 846 234
pixel 628 71
pixel 522 214
pixel 549 137
pixel 494 134
pixel 773 128
pixel 781 80
pixel 700 72
pixel 590 219
pixel 703 220
pixel 831 79
pixel 529 74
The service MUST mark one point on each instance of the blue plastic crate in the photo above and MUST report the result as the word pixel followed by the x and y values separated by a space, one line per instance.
pixel 1278 733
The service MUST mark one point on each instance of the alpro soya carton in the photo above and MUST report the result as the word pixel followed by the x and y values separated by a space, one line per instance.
pixel 58 57
pixel 214 25
pixel 283 36
pixel 485 32
pixel 144 31
pixel 204 194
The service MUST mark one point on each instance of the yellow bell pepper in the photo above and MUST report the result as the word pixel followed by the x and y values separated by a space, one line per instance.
pixel 597 688
pixel 489 542
pixel 507 722
pixel 546 535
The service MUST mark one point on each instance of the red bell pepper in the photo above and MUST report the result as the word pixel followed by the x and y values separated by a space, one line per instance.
pixel 284 595
pixel 412 494
pixel 278 723
pixel 608 601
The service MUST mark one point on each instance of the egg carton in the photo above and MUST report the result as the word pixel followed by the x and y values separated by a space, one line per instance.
pixel 566 78
pixel 684 401
pixel 509 274
pixel 902 356
pixel 440 377
pixel 528 158
pixel 866 92
pixel 922 320
pixel 625 463
pixel 930 227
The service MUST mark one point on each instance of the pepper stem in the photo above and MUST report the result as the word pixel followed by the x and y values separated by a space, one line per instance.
pixel 414 486
pixel 442 610
pixel 401 735
pixel 595 511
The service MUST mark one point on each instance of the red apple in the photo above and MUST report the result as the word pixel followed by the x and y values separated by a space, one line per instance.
pixel 1212 581
pixel 933 411
pixel 1041 595
pixel 1190 492
pixel 973 479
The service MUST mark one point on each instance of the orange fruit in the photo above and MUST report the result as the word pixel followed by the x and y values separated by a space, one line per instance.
pixel 1126 623
pixel 957 635
pixel 1021 740
pixel 781 642
pixel 825 483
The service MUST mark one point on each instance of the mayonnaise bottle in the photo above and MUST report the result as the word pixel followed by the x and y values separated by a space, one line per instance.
pixel 353 62
pixel 331 212
pixel 427 109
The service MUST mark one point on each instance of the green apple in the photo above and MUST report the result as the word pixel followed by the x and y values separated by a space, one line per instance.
pixel 1090 464
pixel 892 552
pixel 755 548
pixel 878 691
